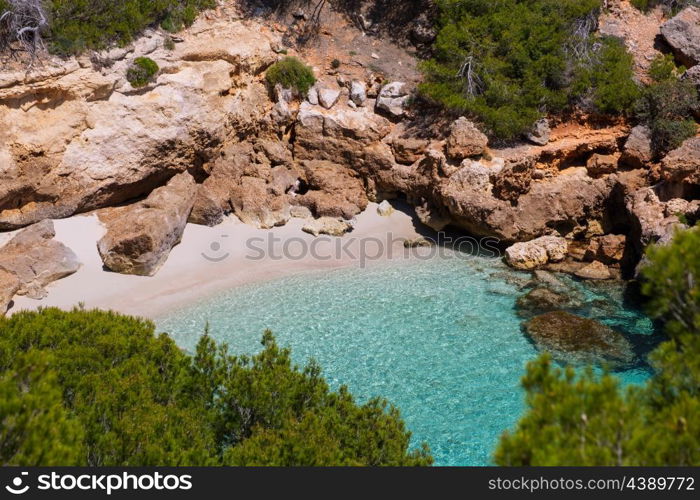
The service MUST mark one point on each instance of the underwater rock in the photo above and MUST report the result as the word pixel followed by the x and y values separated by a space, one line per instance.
pixel 573 339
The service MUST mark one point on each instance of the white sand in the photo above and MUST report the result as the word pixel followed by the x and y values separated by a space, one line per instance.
pixel 188 275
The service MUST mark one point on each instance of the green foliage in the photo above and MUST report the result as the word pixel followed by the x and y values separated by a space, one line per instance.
pixel 507 63
pixel 291 73
pixel 672 284
pixel 36 429
pixel 609 83
pixel 588 420
pixel 76 25
pixel 673 5
pixel 666 106
pixel 97 388
pixel 141 71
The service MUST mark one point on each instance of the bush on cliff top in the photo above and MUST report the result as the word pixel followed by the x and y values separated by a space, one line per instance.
pixel 76 25
pixel 97 388
pixel 508 63
pixel 291 73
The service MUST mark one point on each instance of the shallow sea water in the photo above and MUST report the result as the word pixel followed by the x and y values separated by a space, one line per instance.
pixel 440 339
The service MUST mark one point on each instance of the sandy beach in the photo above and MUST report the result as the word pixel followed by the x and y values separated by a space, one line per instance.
pixel 213 259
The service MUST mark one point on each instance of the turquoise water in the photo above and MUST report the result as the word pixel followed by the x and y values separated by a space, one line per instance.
pixel 440 339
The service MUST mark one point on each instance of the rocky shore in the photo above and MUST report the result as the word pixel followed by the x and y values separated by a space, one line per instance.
pixel 208 139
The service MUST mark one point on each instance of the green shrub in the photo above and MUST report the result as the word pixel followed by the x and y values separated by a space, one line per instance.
pixel 666 106
pixel 672 5
pixel 507 63
pixel 97 388
pixel 335 63
pixel 141 71
pixel 291 73
pixel 608 81
pixel 76 25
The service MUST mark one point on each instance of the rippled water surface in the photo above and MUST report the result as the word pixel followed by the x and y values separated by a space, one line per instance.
pixel 440 339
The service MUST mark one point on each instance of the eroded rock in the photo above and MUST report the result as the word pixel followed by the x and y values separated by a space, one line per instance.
pixel 637 151
pixel 139 237
pixel 532 254
pixel 682 33
pixel 36 260
pixel 465 140
pixel 327 225
pixel 573 339
pixel 392 99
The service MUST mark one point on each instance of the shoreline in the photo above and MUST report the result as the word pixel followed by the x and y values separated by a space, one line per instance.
pixel 210 260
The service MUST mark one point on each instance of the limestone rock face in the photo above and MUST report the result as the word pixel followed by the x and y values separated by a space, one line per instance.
pixel 601 164
pixel 407 151
pixel 392 99
pixel 682 165
pixel 650 223
pixel 637 151
pixel 333 190
pixel 327 225
pixel 36 260
pixel 465 140
pixel 682 33
pixel 573 339
pixel 140 237
pixel 536 253
pixel 609 248
pixel 76 139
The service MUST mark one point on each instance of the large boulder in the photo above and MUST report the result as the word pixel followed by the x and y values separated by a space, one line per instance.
pixel 649 222
pixel 536 253
pixel 573 339
pixel 637 151
pixel 682 165
pixel 139 237
pixel 465 140
pixel 392 99
pixel 36 260
pixel 682 33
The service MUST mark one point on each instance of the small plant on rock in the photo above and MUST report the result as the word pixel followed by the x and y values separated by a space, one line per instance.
pixel 291 73
pixel 141 72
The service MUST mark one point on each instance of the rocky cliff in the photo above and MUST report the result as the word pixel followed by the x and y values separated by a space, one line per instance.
pixel 76 136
